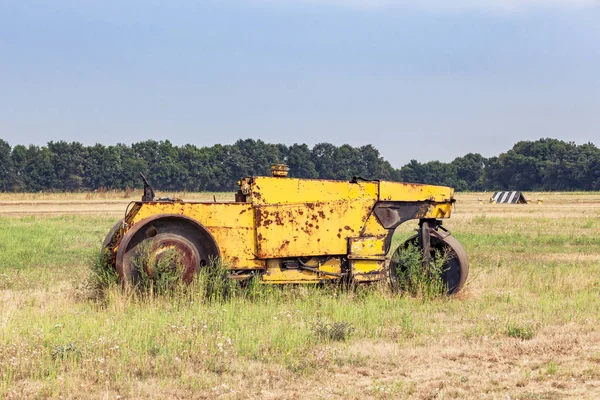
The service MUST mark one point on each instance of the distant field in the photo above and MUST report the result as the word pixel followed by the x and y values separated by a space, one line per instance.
pixel 96 203
pixel 526 326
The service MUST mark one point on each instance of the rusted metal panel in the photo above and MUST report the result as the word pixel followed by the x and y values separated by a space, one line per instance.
pixel 367 270
pixel 366 247
pixel 410 192
pixel 231 224
pixel 392 214
pixel 308 229
pixel 270 190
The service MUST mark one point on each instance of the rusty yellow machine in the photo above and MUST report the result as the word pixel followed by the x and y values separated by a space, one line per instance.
pixel 288 230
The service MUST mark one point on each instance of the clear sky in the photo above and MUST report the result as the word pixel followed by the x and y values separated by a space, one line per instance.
pixel 430 81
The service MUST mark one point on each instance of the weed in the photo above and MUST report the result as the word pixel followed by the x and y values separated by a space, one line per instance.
pixel 407 325
pixel 102 275
pixel 337 331
pixel 253 290
pixel 155 275
pixel 386 389
pixel 162 277
pixel 519 331
pixel 353 360
pixel 62 352
pixel 552 368
pixel 216 283
pixel 414 277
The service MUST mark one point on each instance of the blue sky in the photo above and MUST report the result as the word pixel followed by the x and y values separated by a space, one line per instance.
pixel 433 81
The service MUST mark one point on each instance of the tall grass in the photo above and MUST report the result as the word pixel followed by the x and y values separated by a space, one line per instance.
pixel 532 305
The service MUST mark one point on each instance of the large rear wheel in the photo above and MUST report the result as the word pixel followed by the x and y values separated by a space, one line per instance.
pixel 446 257
pixel 162 246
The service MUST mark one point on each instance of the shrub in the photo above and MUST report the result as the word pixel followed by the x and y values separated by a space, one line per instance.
pixel 215 282
pixel 163 277
pixel 412 276
pixel 62 352
pixel 336 331
pixel 102 275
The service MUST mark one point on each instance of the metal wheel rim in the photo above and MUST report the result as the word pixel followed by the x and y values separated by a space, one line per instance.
pixel 455 275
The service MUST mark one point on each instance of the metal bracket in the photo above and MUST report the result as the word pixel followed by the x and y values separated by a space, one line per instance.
pixel 148 191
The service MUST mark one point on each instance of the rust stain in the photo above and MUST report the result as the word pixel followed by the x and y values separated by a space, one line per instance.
pixel 278 219
pixel 258 218
pixel 257 195
pixel 307 228
pixel 347 228
pixel 243 211
pixel 322 214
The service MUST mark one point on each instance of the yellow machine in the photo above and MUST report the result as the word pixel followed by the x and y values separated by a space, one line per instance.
pixel 288 230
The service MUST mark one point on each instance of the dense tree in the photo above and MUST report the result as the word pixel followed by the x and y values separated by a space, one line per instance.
pixel 469 172
pixel 7 173
pixel 545 164
pixel 324 159
pixel 19 162
pixel 299 158
pixel 69 161
pixel 433 172
pixel 372 165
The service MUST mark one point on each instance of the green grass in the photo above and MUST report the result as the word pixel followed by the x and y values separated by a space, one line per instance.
pixel 36 251
pixel 55 336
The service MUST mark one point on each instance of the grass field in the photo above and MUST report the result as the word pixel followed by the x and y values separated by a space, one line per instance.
pixel 526 326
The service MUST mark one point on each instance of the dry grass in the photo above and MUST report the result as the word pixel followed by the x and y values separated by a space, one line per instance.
pixel 114 195
pixel 91 203
pixel 525 327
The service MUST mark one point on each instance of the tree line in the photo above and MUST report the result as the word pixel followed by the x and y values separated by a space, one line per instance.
pixel 545 165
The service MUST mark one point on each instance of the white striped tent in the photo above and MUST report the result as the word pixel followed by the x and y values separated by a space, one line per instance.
pixel 509 198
